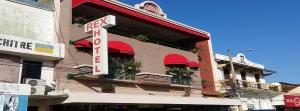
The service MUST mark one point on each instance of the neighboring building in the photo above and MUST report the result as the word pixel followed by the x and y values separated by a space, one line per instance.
pixel 250 81
pixel 29 51
pixel 289 100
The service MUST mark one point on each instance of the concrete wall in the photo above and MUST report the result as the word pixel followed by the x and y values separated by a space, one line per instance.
pixel 10 68
pixel 26 21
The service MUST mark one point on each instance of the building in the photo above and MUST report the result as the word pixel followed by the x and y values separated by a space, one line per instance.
pixel 29 51
pixel 250 82
pixel 154 63
pixel 289 100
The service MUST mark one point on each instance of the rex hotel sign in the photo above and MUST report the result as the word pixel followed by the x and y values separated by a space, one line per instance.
pixel 292 101
pixel 100 53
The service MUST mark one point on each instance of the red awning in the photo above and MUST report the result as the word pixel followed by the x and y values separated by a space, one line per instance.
pixel 144 17
pixel 120 47
pixel 83 43
pixel 193 64
pixel 175 59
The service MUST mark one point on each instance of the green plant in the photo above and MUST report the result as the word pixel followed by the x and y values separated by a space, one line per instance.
pixel 220 94
pixel 195 50
pixel 79 20
pixel 180 75
pixel 141 37
pixel 130 68
pixel 204 82
pixel 177 71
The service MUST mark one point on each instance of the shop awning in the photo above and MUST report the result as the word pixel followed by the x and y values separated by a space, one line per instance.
pixel 120 47
pixel 94 98
pixel 83 43
pixel 175 59
pixel 129 11
pixel 193 64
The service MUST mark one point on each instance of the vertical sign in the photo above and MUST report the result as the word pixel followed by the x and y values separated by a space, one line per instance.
pixel 100 56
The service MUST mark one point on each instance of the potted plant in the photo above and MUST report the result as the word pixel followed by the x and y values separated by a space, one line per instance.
pixel 130 68
pixel 180 75
pixel 141 37
pixel 79 21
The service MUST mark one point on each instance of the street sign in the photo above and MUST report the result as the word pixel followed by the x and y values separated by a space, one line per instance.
pixel 100 51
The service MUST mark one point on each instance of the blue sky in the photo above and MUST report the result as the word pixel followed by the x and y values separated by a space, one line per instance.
pixel 271 27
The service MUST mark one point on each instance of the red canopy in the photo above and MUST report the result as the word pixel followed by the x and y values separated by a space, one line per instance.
pixel 120 47
pixel 193 64
pixel 83 43
pixel 175 59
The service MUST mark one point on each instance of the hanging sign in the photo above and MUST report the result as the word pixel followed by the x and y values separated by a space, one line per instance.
pixel 100 53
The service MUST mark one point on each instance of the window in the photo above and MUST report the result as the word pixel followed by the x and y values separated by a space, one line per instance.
pixel 45 4
pixel 31 69
pixel 245 83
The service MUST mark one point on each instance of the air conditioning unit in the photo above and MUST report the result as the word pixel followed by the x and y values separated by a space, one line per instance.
pixel 38 90
pixel 35 82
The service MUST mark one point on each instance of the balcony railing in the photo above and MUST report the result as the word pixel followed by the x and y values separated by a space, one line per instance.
pixel 153 78
pixel 245 84
pixel 253 85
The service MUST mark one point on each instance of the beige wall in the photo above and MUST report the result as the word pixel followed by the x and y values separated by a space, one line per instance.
pixel 151 56
pixel 9 68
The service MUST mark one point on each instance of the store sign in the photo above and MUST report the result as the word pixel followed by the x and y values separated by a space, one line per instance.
pixel 15 89
pixel 292 101
pixel 14 97
pixel 17 45
pixel 100 52
pixel 151 7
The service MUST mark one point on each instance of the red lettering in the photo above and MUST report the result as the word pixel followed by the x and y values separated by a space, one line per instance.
pixel 97 69
pixel 103 21
pixel 97 59
pixel 89 27
pixel 97 50
pixel 96 32
pixel 97 41
pixel 96 24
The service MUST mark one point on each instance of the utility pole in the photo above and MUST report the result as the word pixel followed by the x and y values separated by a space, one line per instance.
pixel 233 92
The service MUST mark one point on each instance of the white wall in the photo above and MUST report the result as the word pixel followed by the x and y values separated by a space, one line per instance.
pixel 48 72
pixel 25 21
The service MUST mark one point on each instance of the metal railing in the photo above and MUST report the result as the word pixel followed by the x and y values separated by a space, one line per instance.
pixel 246 84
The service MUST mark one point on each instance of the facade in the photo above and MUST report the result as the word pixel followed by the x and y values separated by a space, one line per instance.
pixel 154 63
pixel 289 100
pixel 250 82
pixel 29 52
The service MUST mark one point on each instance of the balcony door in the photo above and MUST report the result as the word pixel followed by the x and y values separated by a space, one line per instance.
pixel 31 69
pixel 243 74
pixel 257 81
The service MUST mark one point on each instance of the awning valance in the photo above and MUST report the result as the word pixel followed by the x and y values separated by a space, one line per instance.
pixel 175 59
pixel 193 64
pixel 83 43
pixel 120 47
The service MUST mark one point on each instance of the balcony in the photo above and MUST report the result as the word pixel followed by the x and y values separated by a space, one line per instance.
pixel 153 79
pixel 243 84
